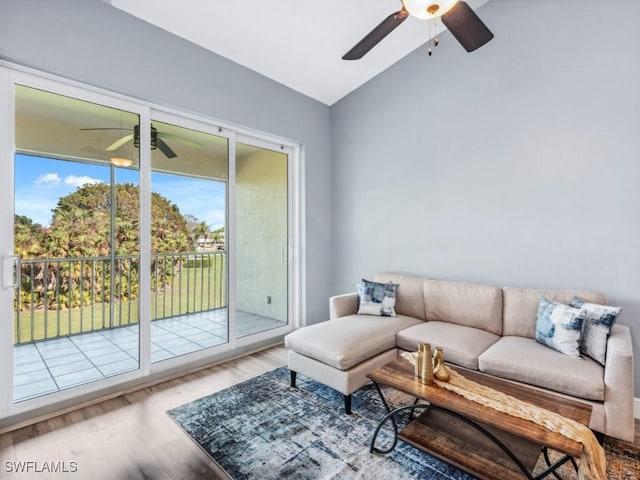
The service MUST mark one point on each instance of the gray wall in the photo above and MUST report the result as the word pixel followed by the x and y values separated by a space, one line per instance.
pixel 92 42
pixel 515 165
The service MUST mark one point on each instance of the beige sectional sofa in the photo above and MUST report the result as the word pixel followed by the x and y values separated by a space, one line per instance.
pixel 480 327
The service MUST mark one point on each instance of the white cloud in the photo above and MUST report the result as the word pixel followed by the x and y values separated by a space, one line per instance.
pixel 48 179
pixel 215 218
pixel 75 181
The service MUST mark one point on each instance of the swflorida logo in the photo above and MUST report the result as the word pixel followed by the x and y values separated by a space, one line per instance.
pixel 32 466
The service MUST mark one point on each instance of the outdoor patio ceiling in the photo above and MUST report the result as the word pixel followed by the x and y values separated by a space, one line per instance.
pixel 50 125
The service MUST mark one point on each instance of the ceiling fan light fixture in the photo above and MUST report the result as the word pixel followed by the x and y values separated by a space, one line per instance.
pixel 457 16
pixel 426 9
pixel 121 161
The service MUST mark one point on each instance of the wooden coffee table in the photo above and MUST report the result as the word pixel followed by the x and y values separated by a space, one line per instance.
pixel 477 439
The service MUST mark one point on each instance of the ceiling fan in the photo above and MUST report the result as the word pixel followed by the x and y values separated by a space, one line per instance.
pixel 156 140
pixel 456 15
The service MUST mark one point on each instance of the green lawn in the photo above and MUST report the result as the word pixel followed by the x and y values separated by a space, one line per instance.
pixel 194 290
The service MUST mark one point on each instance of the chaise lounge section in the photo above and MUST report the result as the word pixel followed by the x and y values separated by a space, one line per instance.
pixel 480 327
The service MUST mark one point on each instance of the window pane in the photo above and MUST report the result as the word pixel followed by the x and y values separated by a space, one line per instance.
pixel 189 263
pixel 77 235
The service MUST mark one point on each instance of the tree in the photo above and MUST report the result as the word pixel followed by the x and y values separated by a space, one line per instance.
pixel 28 237
pixel 219 238
pixel 81 228
pixel 197 229
pixel 168 227
pixel 81 223
pixel 193 224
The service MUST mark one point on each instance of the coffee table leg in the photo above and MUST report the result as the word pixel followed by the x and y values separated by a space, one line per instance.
pixel 393 421
pixel 391 415
pixel 384 400
pixel 552 468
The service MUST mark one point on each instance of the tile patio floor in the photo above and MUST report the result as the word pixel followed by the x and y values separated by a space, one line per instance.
pixel 52 365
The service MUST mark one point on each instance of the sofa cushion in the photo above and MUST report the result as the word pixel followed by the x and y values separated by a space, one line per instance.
pixel 598 320
pixel 461 345
pixel 409 300
pixel 525 360
pixel 376 298
pixel 346 341
pixel 469 304
pixel 559 326
pixel 520 307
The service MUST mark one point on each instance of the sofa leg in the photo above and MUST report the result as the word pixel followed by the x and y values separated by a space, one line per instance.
pixel 347 404
pixel 293 378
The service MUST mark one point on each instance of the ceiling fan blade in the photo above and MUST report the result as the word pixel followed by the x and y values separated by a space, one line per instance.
pixel 466 26
pixel 119 143
pixel 376 35
pixel 164 148
pixel 177 138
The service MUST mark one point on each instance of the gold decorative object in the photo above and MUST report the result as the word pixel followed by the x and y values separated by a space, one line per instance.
pixel 426 366
pixel 438 357
pixel 440 370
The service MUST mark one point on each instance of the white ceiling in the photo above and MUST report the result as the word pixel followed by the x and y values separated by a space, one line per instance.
pixel 297 43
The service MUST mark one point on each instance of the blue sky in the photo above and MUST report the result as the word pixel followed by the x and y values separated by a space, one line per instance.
pixel 40 182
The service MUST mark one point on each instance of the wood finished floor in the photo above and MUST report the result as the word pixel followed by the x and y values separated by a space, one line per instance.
pixel 131 437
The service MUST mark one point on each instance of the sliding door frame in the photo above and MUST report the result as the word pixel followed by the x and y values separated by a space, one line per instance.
pixel 47 83
pixel 7 142
pixel 10 75
pixel 213 128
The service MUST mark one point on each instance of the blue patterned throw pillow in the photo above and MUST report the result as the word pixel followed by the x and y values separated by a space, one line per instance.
pixel 598 320
pixel 559 326
pixel 377 298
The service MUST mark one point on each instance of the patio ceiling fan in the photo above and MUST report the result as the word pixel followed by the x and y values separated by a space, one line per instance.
pixel 157 140
pixel 457 16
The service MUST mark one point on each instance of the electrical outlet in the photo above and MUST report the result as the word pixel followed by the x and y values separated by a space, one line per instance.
pixel 268 299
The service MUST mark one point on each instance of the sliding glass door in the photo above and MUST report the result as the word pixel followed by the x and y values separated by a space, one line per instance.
pixel 189 260
pixel 144 241
pixel 262 237
pixel 76 243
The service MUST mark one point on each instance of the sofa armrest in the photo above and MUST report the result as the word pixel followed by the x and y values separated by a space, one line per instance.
pixel 343 305
pixel 618 384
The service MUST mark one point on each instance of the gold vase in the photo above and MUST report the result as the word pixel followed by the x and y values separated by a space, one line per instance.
pixel 440 370
pixel 427 364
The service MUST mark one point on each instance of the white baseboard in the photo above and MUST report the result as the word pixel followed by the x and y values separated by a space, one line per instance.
pixel 636 408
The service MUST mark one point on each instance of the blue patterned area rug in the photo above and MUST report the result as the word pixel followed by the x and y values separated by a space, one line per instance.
pixel 264 429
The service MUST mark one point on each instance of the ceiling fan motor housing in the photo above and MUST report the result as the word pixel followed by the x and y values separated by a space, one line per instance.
pixel 154 137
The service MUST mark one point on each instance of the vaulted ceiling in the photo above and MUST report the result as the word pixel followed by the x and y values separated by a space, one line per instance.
pixel 294 42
